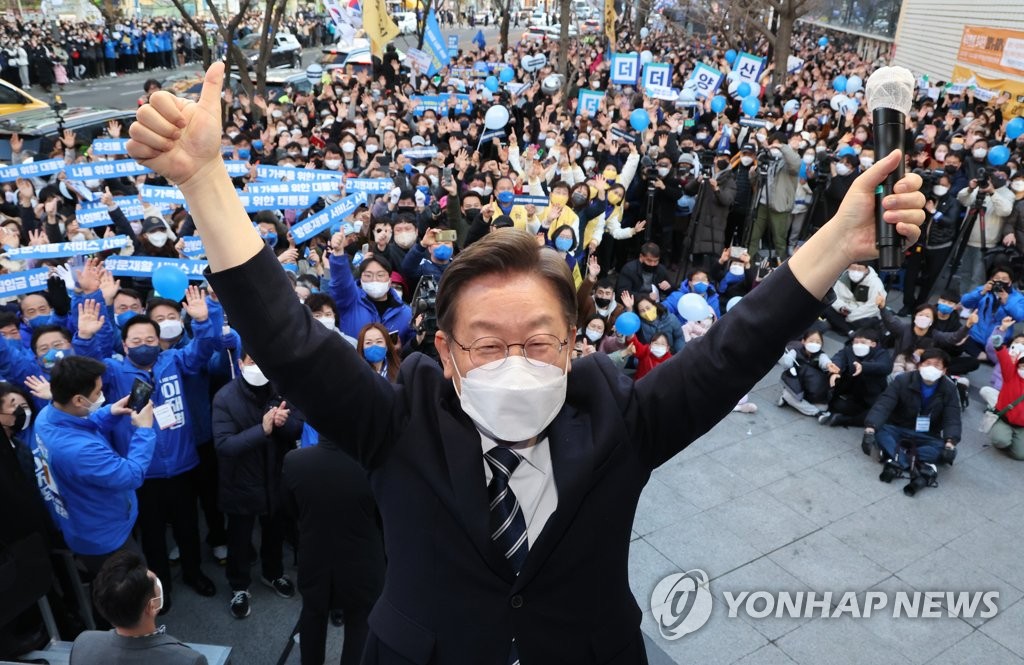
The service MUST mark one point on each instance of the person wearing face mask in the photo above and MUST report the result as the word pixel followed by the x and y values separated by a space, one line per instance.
pixel 1007 433
pixel 926 259
pixel 805 383
pixel 921 407
pixel 975 158
pixel 1013 225
pixel 667 191
pixel 595 329
pixel 88 483
pixel 169 494
pixel 744 166
pixel 649 356
pixel 777 194
pixel 845 171
pixel 857 291
pixel 638 275
pixel 698 281
pixel 993 301
pixel 999 203
pixel 655 318
pixel 372 300
pixel 564 242
pixel 253 428
pixel 857 375
pixel 907 335
pixel 711 218
pixel 603 302
pixel 325 312
pixel 155 239
pixel 130 598
pixel 427 257
pixel 504 204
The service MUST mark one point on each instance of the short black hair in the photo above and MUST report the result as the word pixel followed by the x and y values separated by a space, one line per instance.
pixel 605 283
pixel 379 259
pixel 74 375
pixel 1000 267
pixel 8 319
pixel 932 354
pixel 866 333
pixel 131 293
pixel 42 330
pixel 122 588
pixel 43 294
pixel 153 303
pixel 136 320
pixel 950 294
pixel 650 249
pixel 317 301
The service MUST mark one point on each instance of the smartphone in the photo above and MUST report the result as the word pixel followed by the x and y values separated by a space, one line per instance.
pixel 139 397
pixel 736 252
pixel 365 249
pixel 446 236
pixel 446 175
pixel 549 161
pixel 384 161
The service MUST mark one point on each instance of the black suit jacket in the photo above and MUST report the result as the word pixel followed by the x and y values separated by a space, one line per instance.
pixel 449 594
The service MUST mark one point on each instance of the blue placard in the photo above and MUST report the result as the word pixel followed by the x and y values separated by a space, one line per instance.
pixel 32 169
pixel 370 186
pixel 193 246
pixel 157 194
pixel 657 74
pixel 748 67
pixel 314 224
pixel 426 152
pixel 110 147
pixel 706 80
pixel 318 187
pixel 237 168
pixel 625 68
pixel 292 174
pixel 433 44
pixel 623 134
pixel 28 281
pixel 57 250
pixel 99 170
pixel 453 46
pixel 525 200
pixel 289 201
pixel 589 101
pixel 144 266
pixel 91 215
pixel 439 104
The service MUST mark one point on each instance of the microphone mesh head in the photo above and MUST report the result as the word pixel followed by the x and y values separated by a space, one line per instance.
pixel 890 88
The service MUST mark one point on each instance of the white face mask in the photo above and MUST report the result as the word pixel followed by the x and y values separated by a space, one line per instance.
pixel 97 405
pixel 157 238
pixel 254 376
pixel 776 152
pixel 594 335
pixel 549 143
pixel 746 161
pixel 923 322
pixel 80 237
pixel 171 329
pixel 930 373
pixel 326 321
pixel 658 350
pixel 332 164
pixel 940 190
pixel 856 275
pixel 376 289
pixel 812 347
pixel 1017 185
pixel 585 142
pixel 515 401
pixel 662 171
pixel 979 153
pixel 372 149
pixel 159 595
pixel 1016 349
pixel 808 159
pixel 842 169
pixel 861 350
pixel 589 164
pixel 348 146
pixel 867 162
pixel 736 269
pixel 405 239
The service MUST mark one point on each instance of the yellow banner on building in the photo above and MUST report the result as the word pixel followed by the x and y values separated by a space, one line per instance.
pixel 609 22
pixel 992 48
pixel 1014 88
pixel 379 27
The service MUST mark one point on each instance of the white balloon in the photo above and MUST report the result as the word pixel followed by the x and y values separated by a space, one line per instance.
pixel 732 302
pixel 687 95
pixel 496 117
pixel 690 84
pixel 792 106
pixel 644 32
pixel 646 57
pixel 693 307
pixel 854 84
pixel 838 101
pixel 733 87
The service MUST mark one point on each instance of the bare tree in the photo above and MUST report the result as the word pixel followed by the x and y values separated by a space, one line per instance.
pixel 505 9
pixel 200 30
pixel 421 22
pixel 109 10
pixel 272 15
pixel 775 20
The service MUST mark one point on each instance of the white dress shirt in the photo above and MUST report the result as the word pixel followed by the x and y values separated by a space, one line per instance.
pixel 533 483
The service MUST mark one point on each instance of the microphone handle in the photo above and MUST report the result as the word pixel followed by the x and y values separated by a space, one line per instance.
pixel 889 129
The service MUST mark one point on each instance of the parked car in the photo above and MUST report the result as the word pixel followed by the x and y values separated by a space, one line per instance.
pixel 39 128
pixel 538 17
pixel 13 99
pixel 536 33
pixel 285 52
pixel 356 54
pixel 406 22
pixel 591 26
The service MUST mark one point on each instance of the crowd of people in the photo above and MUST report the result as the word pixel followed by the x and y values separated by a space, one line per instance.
pixel 699 207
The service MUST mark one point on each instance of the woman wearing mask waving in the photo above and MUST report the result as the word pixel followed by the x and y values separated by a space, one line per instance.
pixel 907 336
pixel 1007 433
pixel 654 319
pixel 806 376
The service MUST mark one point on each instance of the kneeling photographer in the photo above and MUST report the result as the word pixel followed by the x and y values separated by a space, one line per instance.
pixel 915 423
pixel 993 301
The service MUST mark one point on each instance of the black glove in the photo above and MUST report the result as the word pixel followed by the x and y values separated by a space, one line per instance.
pixel 59 298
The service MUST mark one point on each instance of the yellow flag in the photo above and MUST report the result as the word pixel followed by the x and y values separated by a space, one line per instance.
pixel 378 25
pixel 609 22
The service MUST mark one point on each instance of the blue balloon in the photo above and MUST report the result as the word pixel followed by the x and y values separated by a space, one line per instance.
pixel 506 74
pixel 751 105
pixel 718 104
pixel 730 56
pixel 170 283
pixel 627 324
pixel 1014 128
pixel 743 90
pixel 491 83
pixel 639 120
pixel 714 40
pixel 998 155
pixel 839 84
pixel 823 42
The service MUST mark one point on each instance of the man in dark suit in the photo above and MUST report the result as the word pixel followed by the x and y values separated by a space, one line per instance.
pixel 507 490
pixel 341 551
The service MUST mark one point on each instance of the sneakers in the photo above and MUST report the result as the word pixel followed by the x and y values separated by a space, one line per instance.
pixel 220 553
pixel 282 586
pixel 240 607
pixel 175 555
pixel 826 419
pixel 746 407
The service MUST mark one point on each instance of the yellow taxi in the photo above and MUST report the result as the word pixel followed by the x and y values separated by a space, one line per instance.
pixel 14 99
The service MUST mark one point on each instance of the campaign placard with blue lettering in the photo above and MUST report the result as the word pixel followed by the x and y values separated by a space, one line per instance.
pixel 158 194
pixel 426 152
pixel 99 170
pixel 536 201
pixel 453 46
pixel 143 266
pixel 287 201
pixel 91 215
pixel 318 187
pixel 28 281
pixel 293 174
pixel 589 101
pixel 748 67
pixel 433 44
pixel 193 246
pixel 32 169
pixel 58 250
pixel 237 168
pixel 439 103
pixel 370 186
pixel 706 79
pixel 625 68
pixel 657 74
pixel 110 147
pixel 314 224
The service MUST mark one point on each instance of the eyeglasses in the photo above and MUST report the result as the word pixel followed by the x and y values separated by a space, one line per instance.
pixel 539 350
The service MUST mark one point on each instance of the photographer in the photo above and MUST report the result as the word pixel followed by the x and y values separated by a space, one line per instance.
pixel 1013 226
pixel 777 180
pixel 926 258
pixel 997 205
pixel 711 217
pixel 844 171
pixel 992 302
pixel 663 181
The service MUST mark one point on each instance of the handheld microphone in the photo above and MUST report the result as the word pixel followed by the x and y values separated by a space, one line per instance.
pixel 890 94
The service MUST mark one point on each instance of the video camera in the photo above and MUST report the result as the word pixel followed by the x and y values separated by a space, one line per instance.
pixel 929 178
pixel 424 301
pixel 982 178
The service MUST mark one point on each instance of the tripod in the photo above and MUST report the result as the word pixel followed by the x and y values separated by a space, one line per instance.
pixel 694 225
pixel 976 213
pixel 763 166
pixel 814 219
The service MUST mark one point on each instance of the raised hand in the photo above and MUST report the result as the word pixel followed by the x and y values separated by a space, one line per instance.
pixel 179 138
pixel 16 143
pixel 89 319
pixel 114 129
pixel 281 414
pixel 36 238
pixel 195 304
pixel 39 387
pixel 109 286
pixel 627 300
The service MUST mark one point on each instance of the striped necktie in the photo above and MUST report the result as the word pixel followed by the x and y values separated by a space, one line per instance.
pixel 508 526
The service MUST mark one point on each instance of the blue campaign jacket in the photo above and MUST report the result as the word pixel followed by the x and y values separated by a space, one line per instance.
pixel 672 301
pixel 88 486
pixel 175 446
pixel 355 309
pixel 417 263
pixel 991 312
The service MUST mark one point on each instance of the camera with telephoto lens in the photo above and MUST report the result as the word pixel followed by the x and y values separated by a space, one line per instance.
pixel 823 162
pixel 424 301
pixel 707 160
pixel 998 286
pixel 923 475
pixel 929 178
pixel 982 178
